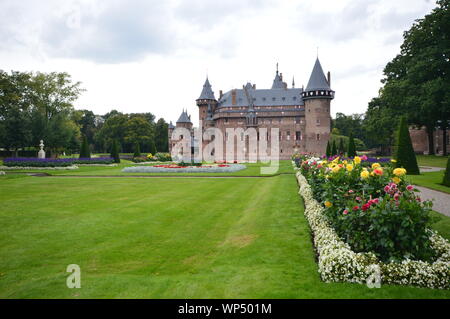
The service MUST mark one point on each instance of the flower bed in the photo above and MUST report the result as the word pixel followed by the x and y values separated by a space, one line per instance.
pixel 339 262
pixel 174 168
pixel 24 162
pixel 11 168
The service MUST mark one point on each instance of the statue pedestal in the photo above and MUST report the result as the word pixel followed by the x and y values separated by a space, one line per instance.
pixel 41 154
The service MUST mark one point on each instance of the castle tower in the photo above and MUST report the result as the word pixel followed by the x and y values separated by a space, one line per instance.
pixel 317 97
pixel 207 104
pixel 184 120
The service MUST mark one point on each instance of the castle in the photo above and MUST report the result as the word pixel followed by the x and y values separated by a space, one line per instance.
pixel 301 115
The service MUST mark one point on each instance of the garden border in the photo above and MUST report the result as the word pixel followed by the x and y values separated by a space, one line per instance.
pixel 339 263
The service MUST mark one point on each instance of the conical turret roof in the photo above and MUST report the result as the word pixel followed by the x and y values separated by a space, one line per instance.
pixel 207 93
pixel 317 80
pixel 184 118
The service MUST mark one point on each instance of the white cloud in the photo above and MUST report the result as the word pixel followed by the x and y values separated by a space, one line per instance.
pixel 153 56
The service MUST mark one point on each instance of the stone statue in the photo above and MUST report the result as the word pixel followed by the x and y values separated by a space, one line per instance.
pixel 41 153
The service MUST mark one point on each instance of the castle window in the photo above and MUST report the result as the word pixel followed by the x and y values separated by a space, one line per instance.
pixel 226 120
pixel 273 99
pixel 294 98
pixel 263 98
pixel 288 135
pixel 280 136
pixel 318 137
pixel 298 136
pixel 318 121
pixel 297 120
pixel 283 98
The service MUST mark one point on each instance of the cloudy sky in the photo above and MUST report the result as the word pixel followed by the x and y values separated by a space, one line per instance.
pixel 153 56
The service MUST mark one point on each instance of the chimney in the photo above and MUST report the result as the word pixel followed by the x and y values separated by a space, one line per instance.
pixel 329 78
pixel 233 97
pixel 281 76
pixel 254 86
pixel 220 94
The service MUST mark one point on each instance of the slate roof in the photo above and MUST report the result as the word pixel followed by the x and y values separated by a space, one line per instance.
pixel 278 82
pixel 317 80
pixel 264 97
pixel 207 93
pixel 171 125
pixel 184 118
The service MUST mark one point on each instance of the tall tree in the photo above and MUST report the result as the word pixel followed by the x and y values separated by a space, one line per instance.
pixel 162 136
pixel 351 152
pixel 84 150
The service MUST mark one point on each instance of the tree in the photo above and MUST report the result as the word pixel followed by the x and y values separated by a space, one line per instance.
pixel 345 124
pixel 162 136
pixel 139 130
pixel 351 151
pixel 15 120
pixel 115 151
pixel 328 151
pixel 51 98
pixel 333 149
pixel 446 180
pixel 152 147
pixel 416 81
pixel 137 150
pixel 404 152
pixel 84 150
pixel 341 146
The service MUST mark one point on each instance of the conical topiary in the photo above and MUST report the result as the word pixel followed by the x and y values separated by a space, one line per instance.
pixel 85 152
pixel 446 180
pixel 404 151
pixel 115 152
pixel 328 152
pixel 351 151
pixel 341 146
pixel 333 149
pixel 137 150
pixel 152 147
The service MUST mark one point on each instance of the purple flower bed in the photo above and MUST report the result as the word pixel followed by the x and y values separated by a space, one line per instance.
pixel 54 162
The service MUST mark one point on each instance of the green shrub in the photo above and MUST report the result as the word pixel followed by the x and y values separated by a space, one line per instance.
pixel 404 151
pixel 137 150
pixel 115 152
pixel 328 151
pixel 85 152
pixel 333 149
pixel 446 180
pixel 341 147
pixel 351 151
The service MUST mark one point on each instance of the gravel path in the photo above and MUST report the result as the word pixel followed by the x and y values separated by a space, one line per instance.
pixel 441 201
pixel 427 169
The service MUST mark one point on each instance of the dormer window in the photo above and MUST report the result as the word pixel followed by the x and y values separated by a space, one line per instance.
pixel 273 99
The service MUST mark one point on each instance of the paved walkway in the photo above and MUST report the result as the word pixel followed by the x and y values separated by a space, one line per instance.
pixel 441 201
pixel 427 169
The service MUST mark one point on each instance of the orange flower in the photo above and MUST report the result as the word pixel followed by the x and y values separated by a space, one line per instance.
pixel 378 171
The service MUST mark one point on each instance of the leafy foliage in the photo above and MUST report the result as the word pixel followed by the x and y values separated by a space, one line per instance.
pixel 85 151
pixel 351 151
pixel 115 151
pixel 446 180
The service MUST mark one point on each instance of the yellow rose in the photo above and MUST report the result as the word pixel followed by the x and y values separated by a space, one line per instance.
pixel 375 165
pixel 328 204
pixel 336 160
pixel 349 167
pixel 396 180
pixel 393 161
pixel 345 162
pixel 365 174
pixel 335 169
pixel 399 171
pixel 357 159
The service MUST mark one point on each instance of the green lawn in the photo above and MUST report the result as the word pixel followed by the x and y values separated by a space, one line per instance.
pixel 165 238
pixel 432 160
pixel 431 180
pixel 253 169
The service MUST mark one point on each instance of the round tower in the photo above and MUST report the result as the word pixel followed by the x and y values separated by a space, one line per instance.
pixel 317 96
pixel 207 104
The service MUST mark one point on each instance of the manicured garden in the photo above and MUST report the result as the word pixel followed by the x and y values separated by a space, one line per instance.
pixel 166 238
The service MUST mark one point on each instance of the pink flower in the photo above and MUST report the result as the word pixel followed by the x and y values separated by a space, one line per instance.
pixel 351 191
pixel 387 188
pixel 358 199
pixel 409 187
pixel 375 201
pixel 365 207
pixel 396 196
pixel 356 208
pixel 364 158
pixel 345 212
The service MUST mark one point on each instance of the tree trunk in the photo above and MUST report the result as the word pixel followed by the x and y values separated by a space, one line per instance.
pixel 430 133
